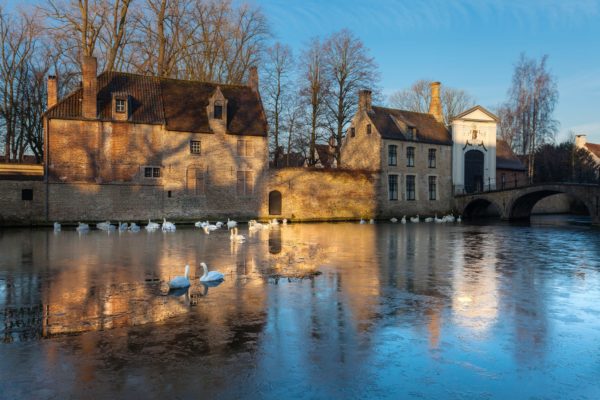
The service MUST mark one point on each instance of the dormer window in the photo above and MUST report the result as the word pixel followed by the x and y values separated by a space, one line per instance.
pixel 120 106
pixel 412 133
pixel 218 111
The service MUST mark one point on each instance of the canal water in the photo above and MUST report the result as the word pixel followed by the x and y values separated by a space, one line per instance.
pixel 309 311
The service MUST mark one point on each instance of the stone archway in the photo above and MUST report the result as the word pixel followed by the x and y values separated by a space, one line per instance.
pixel 520 208
pixel 275 202
pixel 482 207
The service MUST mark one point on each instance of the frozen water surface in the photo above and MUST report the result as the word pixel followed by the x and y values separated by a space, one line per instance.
pixel 400 311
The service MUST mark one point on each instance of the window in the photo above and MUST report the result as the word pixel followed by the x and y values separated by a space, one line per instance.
pixel 503 180
pixel 410 187
pixel 410 156
pixel 432 188
pixel 195 147
pixel 120 105
pixel 368 129
pixel 244 148
pixel 218 111
pixel 392 154
pixel 474 134
pixel 393 187
pixel 151 172
pixel 245 184
pixel 431 158
pixel 412 133
pixel 27 194
pixel 352 132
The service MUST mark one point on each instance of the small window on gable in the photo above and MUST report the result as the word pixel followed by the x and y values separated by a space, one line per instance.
pixel 195 147
pixel 120 105
pixel 218 110
pixel 368 129
pixel 352 132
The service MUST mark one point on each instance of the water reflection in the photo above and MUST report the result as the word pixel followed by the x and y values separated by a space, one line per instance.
pixel 417 303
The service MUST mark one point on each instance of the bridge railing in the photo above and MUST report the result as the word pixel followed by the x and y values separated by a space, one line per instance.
pixel 517 183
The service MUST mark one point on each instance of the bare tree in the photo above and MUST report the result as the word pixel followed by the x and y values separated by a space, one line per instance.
pixel 528 111
pixel 276 89
pixel 18 37
pixel 313 89
pixel 418 96
pixel 349 68
pixel 114 36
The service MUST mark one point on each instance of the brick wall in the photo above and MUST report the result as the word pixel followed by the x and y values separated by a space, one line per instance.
pixel 16 211
pixel 314 194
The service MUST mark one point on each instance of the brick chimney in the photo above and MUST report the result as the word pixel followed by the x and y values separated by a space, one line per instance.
pixel 364 100
pixel 435 106
pixel 253 78
pixel 580 141
pixel 52 91
pixel 89 106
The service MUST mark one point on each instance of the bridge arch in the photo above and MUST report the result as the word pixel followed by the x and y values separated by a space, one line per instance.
pixel 521 205
pixel 482 207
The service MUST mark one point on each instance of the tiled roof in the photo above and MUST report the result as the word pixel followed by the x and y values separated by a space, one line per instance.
pixel 593 148
pixel 505 158
pixel 180 105
pixel 394 124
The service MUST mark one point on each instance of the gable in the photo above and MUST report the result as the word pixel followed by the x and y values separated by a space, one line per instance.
pixel 477 113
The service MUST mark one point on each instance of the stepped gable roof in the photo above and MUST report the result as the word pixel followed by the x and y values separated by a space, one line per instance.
pixel 506 158
pixel 593 148
pixel 394 124
pixel 178 104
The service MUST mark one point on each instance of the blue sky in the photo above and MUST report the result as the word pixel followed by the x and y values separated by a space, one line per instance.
pixel 467 44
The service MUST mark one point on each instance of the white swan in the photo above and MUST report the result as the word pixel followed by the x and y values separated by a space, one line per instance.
pixel 134 227
pixel 415 219
pixel 181 281
pixel 123 226
pixel 168 226
pixel 206 230
pixel 82 227
pixel 199 224
pixel 234 237
pixel 152 226
pixel 403 220
pixel 459 219
pixel 429 219
pixel 438 220
pixel 56 227
pixel 231 223
pixel 394 220
pixel 210 276
pixel 371 221
pixel 219 224
pixel 362 221
pixel 105 226
pixel 284 222
pixel 274 221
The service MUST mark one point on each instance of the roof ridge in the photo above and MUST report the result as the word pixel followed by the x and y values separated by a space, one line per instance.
pixel 160 78
pixel 401 110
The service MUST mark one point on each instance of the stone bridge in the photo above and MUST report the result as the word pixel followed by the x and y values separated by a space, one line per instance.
pixel 517 203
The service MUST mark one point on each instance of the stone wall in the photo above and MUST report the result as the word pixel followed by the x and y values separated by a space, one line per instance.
pixel 314 194
pixel 14 210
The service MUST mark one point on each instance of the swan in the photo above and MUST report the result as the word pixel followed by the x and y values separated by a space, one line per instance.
pixel 234 237
pixel 206 230
pixel 459 219
pixel 394 220
pixel 168 226
pixel 56 227
pixel 362 221
pixel 152 226
pixel 403 220
pixel 415 219
pixel 199 224
pixel 429 219
pixel 449 218
pixel 438 220
pixel 210 276
pixel 284 222
pixel 134 227
pixel 123 226
pixel 105 226
pixel 82 227
pixel 231 223
pixel 371 221
pixel 274 222
pixel 219 224
pixel 181 281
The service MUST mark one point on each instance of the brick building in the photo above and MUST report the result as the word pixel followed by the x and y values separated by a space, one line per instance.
pixel 195 148
pixel 411 150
